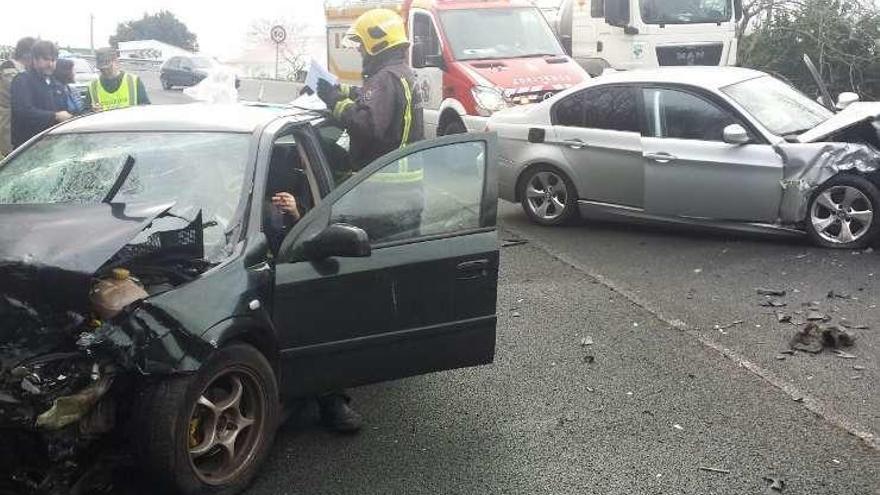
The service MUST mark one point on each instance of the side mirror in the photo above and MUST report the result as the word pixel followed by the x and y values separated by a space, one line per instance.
pixel 418 55
pixel 338 239
pixel 846 99
pixel 435 61
pixel 617 13
pixel 736 134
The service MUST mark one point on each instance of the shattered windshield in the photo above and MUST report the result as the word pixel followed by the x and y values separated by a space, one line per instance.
pixel 499 33
pixel 685 11
pixel 197 171
pixel 780 108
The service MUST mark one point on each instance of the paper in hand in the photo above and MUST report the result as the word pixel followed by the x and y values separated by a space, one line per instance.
pixel 316 73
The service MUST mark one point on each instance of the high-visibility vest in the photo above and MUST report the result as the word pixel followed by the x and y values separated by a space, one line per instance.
pixel 405 172
pixel 126 95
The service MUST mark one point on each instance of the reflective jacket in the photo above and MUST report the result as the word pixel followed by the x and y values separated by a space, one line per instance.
pixel 386 113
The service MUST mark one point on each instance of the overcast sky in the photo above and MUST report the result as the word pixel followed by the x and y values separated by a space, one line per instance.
pixel 221 27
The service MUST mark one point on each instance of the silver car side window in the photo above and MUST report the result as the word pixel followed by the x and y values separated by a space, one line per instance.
pixel 678 114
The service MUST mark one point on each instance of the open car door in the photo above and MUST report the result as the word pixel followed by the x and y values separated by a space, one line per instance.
pixel 395 273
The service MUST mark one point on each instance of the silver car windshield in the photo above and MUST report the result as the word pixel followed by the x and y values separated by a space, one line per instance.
pixel 780 108
pixel 686 11
pixel 499 33
pixel 197 171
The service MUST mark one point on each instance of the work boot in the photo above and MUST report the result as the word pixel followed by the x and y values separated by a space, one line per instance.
pixel 337 415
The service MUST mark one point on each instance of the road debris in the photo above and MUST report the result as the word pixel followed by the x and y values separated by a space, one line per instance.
pixel 515 314
pixel 722 328
pixel 586 341
pixel 814 315
pixel 589 359
pixel 773 303
pixel 781 357
pixel 814 337
pixel 714 470
pixel 678 427
pixel 859 368
pixel 513 243
pixel 698 270
pixel 771 292
pixel 783 318
pixel 844 355
pixel 852 326
pixel 840 295
pixel 776 484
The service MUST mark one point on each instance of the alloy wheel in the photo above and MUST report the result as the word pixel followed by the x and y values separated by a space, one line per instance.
pixel 546 195
pixel 225 426
pixel 842 214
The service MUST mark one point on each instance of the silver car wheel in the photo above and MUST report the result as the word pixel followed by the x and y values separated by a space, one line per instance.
pixel 842 214
pixel 547 195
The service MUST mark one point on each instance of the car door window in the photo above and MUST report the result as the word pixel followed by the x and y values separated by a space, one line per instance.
pixel 681 115
pixel 437 191
pixel 186 64
pixel 613 108
pixel 174 63
pixel 424 33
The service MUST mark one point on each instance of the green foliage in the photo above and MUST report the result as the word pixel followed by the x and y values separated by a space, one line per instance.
pixel 841 36
pixel 162 26
pixel 6 52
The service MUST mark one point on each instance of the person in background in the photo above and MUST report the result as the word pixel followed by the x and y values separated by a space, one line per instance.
pixel 115 88
pixel 65 97
pixel 33 102
pixel 19 63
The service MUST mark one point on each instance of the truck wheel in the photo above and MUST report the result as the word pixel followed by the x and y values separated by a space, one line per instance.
pixel 843 213
pixel 208 433
pixel 548 196
pixel 456 126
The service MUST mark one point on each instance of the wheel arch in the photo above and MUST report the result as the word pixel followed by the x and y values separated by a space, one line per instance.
pixel 246 330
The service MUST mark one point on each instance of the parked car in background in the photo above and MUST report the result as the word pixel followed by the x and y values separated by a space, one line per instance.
pixel 153 297
pixel 186 71
pixel 716 146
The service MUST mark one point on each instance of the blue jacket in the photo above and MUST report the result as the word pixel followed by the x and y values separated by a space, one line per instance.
pixel 33 106
pixel 66 98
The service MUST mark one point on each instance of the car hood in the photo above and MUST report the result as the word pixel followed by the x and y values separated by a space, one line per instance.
pixel 853 115
pixel 58 248
pixel 528 75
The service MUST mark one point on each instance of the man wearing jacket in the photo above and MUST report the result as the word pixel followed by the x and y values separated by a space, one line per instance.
pixel 33 100
pixel 8 70
pixel 386 113
pixel 382 116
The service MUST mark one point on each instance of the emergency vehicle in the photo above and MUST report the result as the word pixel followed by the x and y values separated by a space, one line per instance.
pixel 471 57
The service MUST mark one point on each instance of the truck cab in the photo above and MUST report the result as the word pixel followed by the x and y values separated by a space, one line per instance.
pixel 471 57
pixel 631 34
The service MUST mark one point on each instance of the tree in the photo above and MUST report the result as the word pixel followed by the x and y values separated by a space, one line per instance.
pixel 162 26
pixel 841 36
pixel 293 52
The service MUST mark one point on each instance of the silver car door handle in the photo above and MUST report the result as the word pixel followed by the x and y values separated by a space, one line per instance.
pixel 575 144
pixel 660 157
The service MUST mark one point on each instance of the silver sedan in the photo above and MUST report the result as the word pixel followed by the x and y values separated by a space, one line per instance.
pixel 716 146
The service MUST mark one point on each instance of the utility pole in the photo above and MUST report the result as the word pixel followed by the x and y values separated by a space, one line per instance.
pixel 92 32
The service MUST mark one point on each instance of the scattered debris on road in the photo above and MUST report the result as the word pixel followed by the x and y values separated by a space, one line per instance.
pixel 513 243
pixel 844 355
pixel 678 427
pixel 859 368
pixel 589 359
pixel 852 326
pixel 722 328
pixel 776 484
pixel 714 470
pixel 771 292
pixel 773 303
pixel 814 337
pixel 586 341
pixel 783 318
pixel 840 295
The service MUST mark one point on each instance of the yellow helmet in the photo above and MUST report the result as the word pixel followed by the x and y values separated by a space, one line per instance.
pixel 378 30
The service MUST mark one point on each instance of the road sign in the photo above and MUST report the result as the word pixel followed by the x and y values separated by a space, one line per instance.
pixel 278 34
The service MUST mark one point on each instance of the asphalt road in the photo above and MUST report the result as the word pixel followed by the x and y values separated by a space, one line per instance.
pixel 658 392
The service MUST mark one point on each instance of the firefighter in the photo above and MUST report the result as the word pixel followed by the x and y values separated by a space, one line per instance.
pixel 382 116
pixel 385 114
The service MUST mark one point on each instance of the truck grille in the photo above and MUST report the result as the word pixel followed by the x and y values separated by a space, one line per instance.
pixel 709 54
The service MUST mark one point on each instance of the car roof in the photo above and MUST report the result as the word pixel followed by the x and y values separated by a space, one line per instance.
pixel 243 118
pixel 705 77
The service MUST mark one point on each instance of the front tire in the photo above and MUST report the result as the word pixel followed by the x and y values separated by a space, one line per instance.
pixel 548 196
pixel 455 126
pixel 209 433
pixel 843 214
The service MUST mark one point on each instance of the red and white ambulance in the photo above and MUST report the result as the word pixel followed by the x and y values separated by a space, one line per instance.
pixel 471 57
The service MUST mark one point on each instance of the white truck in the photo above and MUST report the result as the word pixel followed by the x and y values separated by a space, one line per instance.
pixel 631 34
